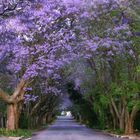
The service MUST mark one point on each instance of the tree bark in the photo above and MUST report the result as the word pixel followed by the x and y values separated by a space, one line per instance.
pixel 13 104
pixel 119 114
pixel 12 117
pixel 121 123
pixel 129 120
pixel 129 125
pixel 113 117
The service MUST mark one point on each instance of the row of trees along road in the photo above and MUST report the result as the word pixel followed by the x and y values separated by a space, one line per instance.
pixel 40 39
pixel 110 80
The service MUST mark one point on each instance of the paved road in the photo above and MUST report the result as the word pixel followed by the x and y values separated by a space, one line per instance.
pixel 65 128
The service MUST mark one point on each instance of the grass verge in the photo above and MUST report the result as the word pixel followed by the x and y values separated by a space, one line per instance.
pixel 16 133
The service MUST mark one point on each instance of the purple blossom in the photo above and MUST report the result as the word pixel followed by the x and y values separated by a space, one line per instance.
pixel 48 35
pixel 29 98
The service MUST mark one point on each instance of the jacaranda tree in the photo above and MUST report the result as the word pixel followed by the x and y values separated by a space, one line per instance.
pixel 38 38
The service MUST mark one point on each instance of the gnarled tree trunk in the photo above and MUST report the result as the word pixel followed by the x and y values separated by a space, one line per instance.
pixel 14 104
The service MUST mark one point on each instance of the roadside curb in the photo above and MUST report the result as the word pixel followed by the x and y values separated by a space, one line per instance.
pixel 26 139
pixel 131 137
pixel 11 138
pixel 15 138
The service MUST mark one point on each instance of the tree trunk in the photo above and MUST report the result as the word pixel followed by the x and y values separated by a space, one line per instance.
pixel 49 117
pixel 13 104
pixel 129 125
pixel 114 119
pixel 12 117
pixel 121 123
pixel 129 120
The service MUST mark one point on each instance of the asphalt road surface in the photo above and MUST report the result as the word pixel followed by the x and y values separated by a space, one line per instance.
pixel 65 128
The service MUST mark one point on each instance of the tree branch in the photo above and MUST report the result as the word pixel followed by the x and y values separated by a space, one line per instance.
pixel 115 108
pixel 6 98
pixel 19 88
pixel 134 111
pixel 8 10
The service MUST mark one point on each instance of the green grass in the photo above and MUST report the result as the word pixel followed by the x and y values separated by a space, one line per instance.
pixel 109 130
pixel 16 133
pixel 117 131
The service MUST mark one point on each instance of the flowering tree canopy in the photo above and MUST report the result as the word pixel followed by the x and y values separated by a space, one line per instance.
pixel 39 37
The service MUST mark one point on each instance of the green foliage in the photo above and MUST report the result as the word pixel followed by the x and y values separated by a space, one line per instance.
pixel 116 131
pixel 115 90
pixel 112 82
pixel 104 100
pixel 23 121
pixel 127 89
pixel 16 133
pixel 115 13
pixel 137 121
pixel 2 108
pixel 138 68
pixel 81 109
